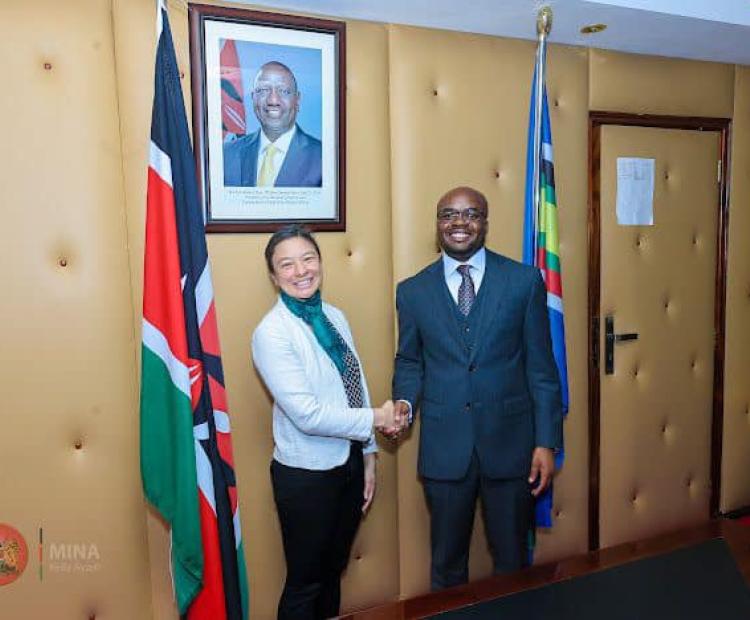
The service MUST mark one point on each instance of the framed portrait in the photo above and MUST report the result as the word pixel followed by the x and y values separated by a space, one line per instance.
pixel 268 119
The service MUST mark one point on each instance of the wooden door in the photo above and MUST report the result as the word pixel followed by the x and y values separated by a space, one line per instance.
pixel 657 346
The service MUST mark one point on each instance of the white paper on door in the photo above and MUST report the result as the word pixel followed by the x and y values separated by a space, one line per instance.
pixel 635 191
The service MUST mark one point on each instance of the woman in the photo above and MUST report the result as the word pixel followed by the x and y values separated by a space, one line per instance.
pixel 323 467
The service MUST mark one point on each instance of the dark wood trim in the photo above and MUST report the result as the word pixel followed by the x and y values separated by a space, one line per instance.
pixel 197 14
pixel 720 296
pixel 736 535
pixel 342 122
pixel 737 513
pixel 694 123
pixel 283 20
pixel 594 322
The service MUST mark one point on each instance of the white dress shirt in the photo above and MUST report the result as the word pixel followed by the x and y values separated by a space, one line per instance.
pixel 313 425
pixel 453 277
pixel 282 144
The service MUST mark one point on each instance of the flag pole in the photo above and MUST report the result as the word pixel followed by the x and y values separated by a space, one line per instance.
pixel 543 28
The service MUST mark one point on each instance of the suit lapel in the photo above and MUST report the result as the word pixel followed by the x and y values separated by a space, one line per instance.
pixel 250 161
pixel 293 160
pixel 494 287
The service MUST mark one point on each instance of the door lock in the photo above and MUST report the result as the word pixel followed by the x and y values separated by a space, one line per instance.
pixel 610 338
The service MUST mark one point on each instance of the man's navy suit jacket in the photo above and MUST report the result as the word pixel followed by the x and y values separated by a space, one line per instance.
pixel 501 397
pixel 301 167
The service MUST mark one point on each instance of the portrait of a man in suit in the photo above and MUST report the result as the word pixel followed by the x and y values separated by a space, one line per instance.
pixel 279 153
pixel 475 360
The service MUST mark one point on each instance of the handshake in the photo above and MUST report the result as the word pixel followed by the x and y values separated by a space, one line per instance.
pixel 391 419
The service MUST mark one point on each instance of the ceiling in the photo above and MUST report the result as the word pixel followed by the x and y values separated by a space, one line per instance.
pixel 717 30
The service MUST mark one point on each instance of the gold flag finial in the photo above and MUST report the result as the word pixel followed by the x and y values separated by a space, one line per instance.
pixel 544 21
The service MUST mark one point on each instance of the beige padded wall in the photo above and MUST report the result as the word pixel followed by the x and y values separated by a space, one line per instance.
pixel 735 477
pixel 356 265
pixel 69 461
pixel 76 120
pixel 655 85
pixel 459 114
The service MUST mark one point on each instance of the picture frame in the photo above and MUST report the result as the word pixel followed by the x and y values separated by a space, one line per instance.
pixel 269 119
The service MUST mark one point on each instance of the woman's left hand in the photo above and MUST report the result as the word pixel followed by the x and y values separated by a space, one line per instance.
pixel 370 461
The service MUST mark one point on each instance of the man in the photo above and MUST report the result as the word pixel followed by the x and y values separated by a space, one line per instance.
pixel 279 154
pixel 474 355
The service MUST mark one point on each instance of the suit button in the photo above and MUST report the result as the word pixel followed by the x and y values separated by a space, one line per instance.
pixel 467 407
pixel 466 329
pixel 472 367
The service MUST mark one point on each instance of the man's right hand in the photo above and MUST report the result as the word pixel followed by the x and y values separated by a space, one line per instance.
pixel 400 420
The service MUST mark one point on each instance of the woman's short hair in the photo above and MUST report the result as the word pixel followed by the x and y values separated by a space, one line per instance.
pixel 288 232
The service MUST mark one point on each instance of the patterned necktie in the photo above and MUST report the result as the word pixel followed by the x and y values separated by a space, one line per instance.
pixel 265 178
pixel 466 293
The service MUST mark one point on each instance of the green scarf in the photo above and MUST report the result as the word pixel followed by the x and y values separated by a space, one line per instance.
pixel 311 312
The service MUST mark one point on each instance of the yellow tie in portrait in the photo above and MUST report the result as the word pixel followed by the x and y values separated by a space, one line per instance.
pixel 267 168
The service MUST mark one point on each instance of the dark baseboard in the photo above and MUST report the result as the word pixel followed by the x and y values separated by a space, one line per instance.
pixel 737 514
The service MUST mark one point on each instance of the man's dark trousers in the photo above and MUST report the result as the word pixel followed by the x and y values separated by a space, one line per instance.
pixel 506 507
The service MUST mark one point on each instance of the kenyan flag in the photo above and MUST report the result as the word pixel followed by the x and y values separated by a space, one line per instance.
pixel 186 449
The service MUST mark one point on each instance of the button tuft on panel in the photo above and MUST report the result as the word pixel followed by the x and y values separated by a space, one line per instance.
pixel 62 261
pixel 48 66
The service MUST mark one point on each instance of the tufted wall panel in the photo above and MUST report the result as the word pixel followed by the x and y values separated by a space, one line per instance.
pixel 459 109
pixel 69 462
pixel 735 489
pixel 654 85
pixel 426 110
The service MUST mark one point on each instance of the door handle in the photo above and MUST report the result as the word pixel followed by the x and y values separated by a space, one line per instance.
pixel 610 338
